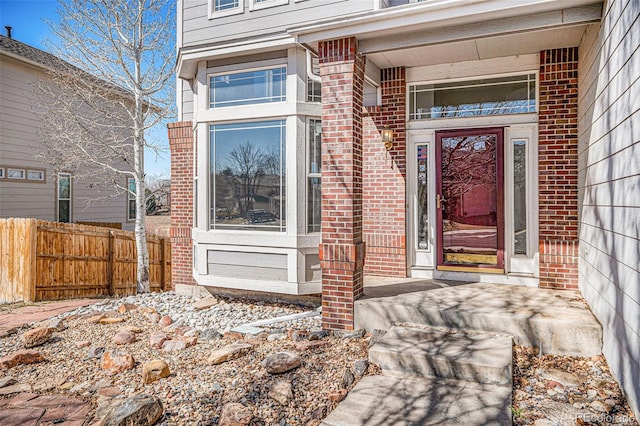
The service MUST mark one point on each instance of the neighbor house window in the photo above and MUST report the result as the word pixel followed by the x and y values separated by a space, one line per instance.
pixel 248 176
pixel 1 173
pixel 64 197
pixel 35 175
pixel 470 98
pixel 131 199
pixel 226 7
pixel 261 4
pixel 16 173
pixel 314 173
pixel 248 87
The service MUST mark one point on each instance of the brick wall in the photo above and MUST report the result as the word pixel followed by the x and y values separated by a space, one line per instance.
pixel 182 155
pixel 342 249
pixel 384 180
pixel 558 168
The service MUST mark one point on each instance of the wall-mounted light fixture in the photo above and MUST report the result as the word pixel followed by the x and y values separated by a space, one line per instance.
pixel 387 137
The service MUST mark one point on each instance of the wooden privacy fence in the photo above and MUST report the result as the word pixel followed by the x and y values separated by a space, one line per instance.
pixel 42 260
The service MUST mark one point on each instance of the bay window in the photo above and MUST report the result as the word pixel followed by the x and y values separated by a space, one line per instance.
pixel 314 173
pixel 248 87
pixel 247 172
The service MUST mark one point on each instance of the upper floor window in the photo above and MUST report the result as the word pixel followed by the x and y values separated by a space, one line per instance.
pixel 226 7
pixel 64 197
pixel 263 4
pixel 471 98
pixel 248 87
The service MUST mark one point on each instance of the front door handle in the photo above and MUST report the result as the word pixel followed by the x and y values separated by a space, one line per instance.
pixel 439 201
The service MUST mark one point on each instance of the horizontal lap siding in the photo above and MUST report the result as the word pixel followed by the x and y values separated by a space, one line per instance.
pixel 609 149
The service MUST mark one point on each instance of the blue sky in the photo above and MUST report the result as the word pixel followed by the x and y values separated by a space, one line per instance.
pixel 27 18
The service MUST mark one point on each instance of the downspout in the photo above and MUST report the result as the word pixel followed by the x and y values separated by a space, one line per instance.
pixel 310 74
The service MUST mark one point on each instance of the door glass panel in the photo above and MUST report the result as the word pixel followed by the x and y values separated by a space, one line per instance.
pixel 469 199
pixel 520 196
pixel 422 185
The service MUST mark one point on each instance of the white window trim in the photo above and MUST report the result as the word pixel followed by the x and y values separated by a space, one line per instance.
pixel 309 174
pixel 240 71
pixel 255 5
pixel 222 13
pixel 58 199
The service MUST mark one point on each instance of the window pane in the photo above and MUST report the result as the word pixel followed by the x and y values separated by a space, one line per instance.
pixel 520 196
pixel 497 96
pixel 248 88
pixel 132 209
pixel 314 201
pixel 63 211
pixel 422 185
pixel 132 188
pixel 248 176
pixel 64 187
pixel 225 4
pixel 315 146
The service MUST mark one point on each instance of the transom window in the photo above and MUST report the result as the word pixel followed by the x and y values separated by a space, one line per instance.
pixel 489 96
pixel 248 87
pixel 222 5
pixel 248 176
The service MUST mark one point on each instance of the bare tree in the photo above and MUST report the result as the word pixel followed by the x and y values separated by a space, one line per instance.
pixel 247 162
pixel 114 86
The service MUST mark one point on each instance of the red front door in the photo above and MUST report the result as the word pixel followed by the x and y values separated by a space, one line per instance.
pixel 469 199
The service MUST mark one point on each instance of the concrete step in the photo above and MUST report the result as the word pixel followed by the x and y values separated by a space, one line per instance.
pixel 398 400
pixel 560 322
pixel 429 352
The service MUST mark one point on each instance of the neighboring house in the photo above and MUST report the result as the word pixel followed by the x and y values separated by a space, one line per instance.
pixel 28 186
pixel 495 141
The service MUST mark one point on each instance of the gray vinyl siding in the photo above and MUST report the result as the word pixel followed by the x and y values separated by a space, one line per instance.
pixel 187 101
pixel 199 29
pixel 19 143
pixel 262 266
pixel 609 153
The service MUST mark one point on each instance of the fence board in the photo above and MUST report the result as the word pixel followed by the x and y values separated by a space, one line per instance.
pixel 42 260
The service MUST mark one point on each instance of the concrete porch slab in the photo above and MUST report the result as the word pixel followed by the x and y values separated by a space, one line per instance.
pixel 559 321
pixel 399 400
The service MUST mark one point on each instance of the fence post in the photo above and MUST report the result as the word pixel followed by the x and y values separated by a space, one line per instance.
pixel 110 264
pixel 30 243
pixel 162 265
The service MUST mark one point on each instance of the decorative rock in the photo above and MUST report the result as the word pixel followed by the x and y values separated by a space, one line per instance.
pixel 347 379
pixel 124 337
pixel 154 317
pixel 96 318
pixel 205 303
pixel 148 310
pixel 210 334
pixel 57 324
pixel 156 340
pixel 281 392
pixel 337 396
pixel 132 328
pixel 376 335
pixel 82 343
pixel 565 378
pixel 318 334
pixel 22 387
pixel 109 391
pixel 165 321
pixel 174 345
pixel 592 393
pixel 117 363
pixel 7 381
pixel 95 352
pixel 281 362
pixel 127 307
pixel 299 335
pixel 102 383
pixel 306 345
pixel 80 387
pixel 544 422
pixel 353 334
pixel 154 370
pixel 360 367
pixel 233 335
pixel 111 320
pixel 229 352
pixel 276 336
pixel 21 357
pixel 235 414
pixel 139 410
pixel 599 406
pixel 36 337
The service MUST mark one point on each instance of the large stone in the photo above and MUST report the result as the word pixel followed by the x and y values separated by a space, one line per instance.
pixel 205 303
pixel 165 321
pixel 36 337
pixel 281 362
pixel 21 357
pixel 7 381
pixel 229 352
pixel 127 307
pixel 174 345
pixel 111 320
pixel 281 392
pixel 154 370
pixel 138 410
pixel 124 337
pixel 96 318
pixel 57 324
pixel 347 379
pixel 18 388
pixel 156 340
pixel 360 367
pixel 235 414
pixel 117 362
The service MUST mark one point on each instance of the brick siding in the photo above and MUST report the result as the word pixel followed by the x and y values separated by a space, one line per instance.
pixel 342 248
pixel 182 155
pixel 384 214
pixel 558 168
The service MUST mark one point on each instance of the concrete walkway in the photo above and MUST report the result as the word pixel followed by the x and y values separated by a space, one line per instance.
pixel 12 318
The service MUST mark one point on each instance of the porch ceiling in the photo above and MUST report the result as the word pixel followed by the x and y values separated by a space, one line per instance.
pixel 477 49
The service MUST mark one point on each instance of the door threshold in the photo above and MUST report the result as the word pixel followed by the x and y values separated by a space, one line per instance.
pixel 479 270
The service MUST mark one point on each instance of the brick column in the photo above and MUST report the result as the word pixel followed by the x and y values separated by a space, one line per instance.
pixel 558 168
pixel 181 137
pixel 342 249
pixel 384 216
